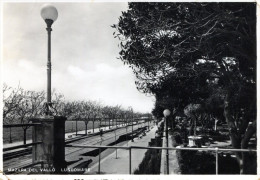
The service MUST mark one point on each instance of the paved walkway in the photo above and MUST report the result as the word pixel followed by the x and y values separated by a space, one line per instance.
pixel 120 165
pixel 74 156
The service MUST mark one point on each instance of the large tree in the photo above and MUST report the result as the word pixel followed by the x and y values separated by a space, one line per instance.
pixel 193 53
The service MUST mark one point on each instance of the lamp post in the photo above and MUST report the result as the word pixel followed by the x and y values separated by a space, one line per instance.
pixel 166 114
pixel 50 152
pixel 49 14
pixel 132 125
pixel 132 119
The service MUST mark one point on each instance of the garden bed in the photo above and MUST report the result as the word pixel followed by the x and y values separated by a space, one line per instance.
pixel 195 162
pixel 202 162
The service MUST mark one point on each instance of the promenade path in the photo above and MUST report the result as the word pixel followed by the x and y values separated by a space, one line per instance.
pixel 72 154
pixel 120 165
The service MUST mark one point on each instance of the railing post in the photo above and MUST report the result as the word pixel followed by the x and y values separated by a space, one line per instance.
pixel 216 161
pixel 99 158
pixel 130 154
pixel 167 159
pixel 115 138
pixel 167 145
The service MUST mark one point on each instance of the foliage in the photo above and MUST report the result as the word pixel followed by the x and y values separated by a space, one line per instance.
pixel 20 105
pixel 162 40
pixel 188 47
pixel 151 162
pixel 188 161
pixel 195 53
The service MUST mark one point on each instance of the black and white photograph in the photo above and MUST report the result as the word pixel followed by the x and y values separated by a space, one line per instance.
pixel 129 88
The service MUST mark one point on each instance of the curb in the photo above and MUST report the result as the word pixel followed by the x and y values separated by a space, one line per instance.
pixel 174 167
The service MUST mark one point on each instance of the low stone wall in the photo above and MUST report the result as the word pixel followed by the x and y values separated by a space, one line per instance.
pixel 173 161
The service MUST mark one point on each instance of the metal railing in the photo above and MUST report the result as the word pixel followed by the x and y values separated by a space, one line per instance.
pixel 23 145
pixel 21 125
pixel 20 146
pixel 217 150
pixel 27 125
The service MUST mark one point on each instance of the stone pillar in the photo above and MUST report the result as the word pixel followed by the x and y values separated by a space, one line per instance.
pixel 51 151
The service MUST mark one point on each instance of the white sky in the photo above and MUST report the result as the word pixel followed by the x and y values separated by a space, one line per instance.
pixel 84 53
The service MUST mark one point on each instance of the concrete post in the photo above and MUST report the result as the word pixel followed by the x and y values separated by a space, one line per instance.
pixel 52 149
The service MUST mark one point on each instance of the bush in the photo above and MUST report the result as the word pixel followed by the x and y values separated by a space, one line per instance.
pixel 151 163
pixel 152 160
pixel 195 162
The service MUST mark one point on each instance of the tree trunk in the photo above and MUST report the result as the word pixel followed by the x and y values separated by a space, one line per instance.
pixel 251 130
pixel 10 135
pixel 195 126
pixel 86 127
pixel 24 135
pixel 93 121
pixel 191 131
pixel 76 127
pixel 173 124
pixel 234 136
pixel 233 133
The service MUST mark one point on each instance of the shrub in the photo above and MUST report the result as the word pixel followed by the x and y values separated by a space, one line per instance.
pixel 152 160
pixel 195 162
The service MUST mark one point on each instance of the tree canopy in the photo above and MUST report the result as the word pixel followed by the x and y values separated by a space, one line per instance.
pixel 195 53
pixel 163 42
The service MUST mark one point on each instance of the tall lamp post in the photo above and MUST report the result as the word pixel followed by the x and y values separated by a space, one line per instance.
pixel 51 132
pixel 49 14
pixel 132 119
pixel 166 114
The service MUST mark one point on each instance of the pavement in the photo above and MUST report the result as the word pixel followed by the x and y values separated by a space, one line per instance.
pixel 119 163
pixel 73 155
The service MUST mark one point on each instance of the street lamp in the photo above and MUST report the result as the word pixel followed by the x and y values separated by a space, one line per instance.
pixel 49 14
pixel 166 114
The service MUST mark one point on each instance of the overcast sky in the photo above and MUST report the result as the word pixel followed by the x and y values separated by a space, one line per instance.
pixel 84 53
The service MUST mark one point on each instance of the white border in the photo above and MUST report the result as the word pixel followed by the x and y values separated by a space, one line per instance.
pixel 125 177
